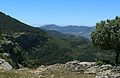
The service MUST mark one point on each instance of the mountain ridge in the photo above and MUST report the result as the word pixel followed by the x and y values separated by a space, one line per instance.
pixel 84 31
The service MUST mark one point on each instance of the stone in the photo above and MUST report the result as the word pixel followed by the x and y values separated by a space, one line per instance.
pixel 100 71
pixel 92 70
pixel 5 65
pixel 87 64
pixel 105 67
pixel 6 54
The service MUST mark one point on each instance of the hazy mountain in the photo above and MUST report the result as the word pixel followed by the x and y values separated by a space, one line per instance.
pixel 84 31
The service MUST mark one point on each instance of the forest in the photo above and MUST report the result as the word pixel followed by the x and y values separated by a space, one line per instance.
pixel 21 44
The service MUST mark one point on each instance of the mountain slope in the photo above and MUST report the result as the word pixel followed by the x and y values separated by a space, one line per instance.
pixel 75 30
pixel 24 46
pixel 67 37
pixel 8 23
pixel 21 44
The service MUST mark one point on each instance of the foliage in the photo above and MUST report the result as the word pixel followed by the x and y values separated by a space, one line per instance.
pixel 100 62
pixel 107 35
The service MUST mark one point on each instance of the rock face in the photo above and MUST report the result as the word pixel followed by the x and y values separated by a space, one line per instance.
pixel 79 66
pixel 100 71
pixel 5 65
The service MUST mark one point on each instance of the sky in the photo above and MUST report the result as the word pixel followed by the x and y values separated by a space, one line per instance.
pixel 61 12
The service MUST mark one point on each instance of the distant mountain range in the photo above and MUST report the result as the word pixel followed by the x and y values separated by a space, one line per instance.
pixel 84 31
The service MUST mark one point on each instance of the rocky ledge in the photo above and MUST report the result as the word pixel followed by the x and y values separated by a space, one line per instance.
pixel 4 65
pixel 100 71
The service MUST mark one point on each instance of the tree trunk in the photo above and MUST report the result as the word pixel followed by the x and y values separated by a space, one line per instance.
pixel 117 57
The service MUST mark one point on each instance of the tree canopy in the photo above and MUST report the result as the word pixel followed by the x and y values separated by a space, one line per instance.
pixel 107 35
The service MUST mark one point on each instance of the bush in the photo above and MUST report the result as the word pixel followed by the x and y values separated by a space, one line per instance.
pixel 100 62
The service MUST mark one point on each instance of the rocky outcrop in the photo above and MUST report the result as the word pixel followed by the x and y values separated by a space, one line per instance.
pixel 78 66
pixel 100 71
pixel 5 65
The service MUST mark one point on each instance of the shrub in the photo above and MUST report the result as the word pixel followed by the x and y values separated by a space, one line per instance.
pixel 100 62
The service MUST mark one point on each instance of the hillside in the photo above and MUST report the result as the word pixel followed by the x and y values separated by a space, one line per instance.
pixel 24 45
pixel 60 35
pixel 84 31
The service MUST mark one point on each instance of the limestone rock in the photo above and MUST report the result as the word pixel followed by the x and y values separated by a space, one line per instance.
pixel 5 65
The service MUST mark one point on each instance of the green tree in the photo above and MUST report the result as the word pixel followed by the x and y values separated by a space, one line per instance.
pixel 107 36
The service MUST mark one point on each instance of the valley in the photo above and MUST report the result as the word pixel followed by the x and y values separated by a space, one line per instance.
pixel 84 31
pixel 32 52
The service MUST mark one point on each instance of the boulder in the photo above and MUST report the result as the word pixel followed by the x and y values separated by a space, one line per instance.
pixel 105 67
pixel 73 62
pixel 91 70
pixel 5 65
pixel 87 63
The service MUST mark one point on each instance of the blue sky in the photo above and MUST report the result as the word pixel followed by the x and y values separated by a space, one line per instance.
pixel 61 12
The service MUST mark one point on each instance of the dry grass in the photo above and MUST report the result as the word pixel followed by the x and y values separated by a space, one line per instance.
pixel 64 74
pixel 44 74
